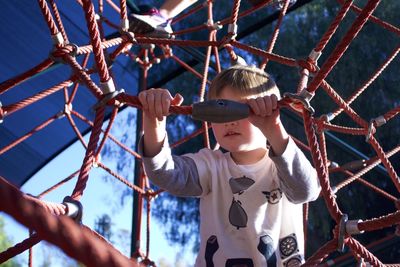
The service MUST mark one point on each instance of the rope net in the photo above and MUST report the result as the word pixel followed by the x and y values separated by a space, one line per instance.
pixel 80 242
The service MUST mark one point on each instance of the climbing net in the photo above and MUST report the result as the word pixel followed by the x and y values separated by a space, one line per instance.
pixel 79 241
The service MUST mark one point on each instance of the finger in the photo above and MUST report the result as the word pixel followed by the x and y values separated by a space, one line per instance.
pixel 158 110
pixel 150 103
pixel 165 103
pixel 142 100
pixel 274 102
pixel 177 100
pixel 253 105
pixel 262 106
pixel 268 105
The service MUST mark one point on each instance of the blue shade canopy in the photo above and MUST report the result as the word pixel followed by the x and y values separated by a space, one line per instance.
pixel 25 43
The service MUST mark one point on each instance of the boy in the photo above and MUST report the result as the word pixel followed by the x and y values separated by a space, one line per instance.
pixel 250 195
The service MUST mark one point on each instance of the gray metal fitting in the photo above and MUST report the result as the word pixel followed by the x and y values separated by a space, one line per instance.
pixel 304 97
pixel 342 232
pixel 74 209
pixel 239 61
pixel 4 113
pixel 355 165
pixel 107 98
pixel 124 24
pixel 352 227
pixel 217 26
pixel 220 111
pixel 232 29
pixel 108 86
pixel 333 164
pixel 57 39
pixel 379 121
pixel 67 110
pixel 329 117
pixel 371 128
pixel 314 56
pixel 334 190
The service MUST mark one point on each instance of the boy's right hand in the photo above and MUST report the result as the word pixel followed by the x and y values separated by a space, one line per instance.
pixel 156 102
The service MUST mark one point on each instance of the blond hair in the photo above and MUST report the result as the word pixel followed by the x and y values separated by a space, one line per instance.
pixel 246 80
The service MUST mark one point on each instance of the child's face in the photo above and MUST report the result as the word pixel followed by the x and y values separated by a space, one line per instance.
pixel 237 136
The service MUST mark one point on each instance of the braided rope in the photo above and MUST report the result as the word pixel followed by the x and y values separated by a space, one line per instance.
pixel 317 146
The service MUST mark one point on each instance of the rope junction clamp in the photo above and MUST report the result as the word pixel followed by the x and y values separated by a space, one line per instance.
pixel 220 111
pixel 108 86
pixel 216 26
pixel 303 98
pixel 342 232
pixel 238 61
pixel 352 227
pixel 371 130
pixel 314 55
pixel 328 117
pixel 124 24
pixel 67 110
pixel 379 121
pixel 72 53
pixel 354 165
pixel 232 29
pixel 349 227
pixel 58 39
pixel 2 113
pixel 108 97
pixel 74 209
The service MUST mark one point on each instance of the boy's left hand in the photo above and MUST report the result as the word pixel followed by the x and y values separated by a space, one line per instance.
pixel 265 112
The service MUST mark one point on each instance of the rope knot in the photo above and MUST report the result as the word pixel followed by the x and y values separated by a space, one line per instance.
pixel 150 194
pixel 128 36
pixel 59 53
pixel 308 64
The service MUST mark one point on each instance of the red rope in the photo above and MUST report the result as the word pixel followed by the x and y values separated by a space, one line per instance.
pixel 57 230
pixel 99 45
pixel 89 156
pixel 95 41
pixel 343 45
pixel 19 248
pixel 275 33
pixel 4 86
pixel 47 15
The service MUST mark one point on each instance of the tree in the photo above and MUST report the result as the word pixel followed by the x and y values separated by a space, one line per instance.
pixel 5 243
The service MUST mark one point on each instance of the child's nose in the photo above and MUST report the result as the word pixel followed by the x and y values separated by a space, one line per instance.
pixel 231 123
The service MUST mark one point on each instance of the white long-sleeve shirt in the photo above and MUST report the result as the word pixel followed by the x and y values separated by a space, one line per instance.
pixel 249 214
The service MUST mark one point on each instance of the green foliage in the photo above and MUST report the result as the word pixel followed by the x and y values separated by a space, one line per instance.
pixel 5 243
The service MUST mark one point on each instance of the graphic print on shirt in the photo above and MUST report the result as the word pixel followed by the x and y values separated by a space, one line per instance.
pixel 239 262
pixel 211 247
pixel 293 262
pixel 288 246
pixel 266 248
pixel 273 196
pixel 237 215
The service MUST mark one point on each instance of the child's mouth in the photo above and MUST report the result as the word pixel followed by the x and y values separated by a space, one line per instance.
pixel 231 134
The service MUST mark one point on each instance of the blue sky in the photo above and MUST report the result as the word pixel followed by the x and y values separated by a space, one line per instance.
pixel 100 197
